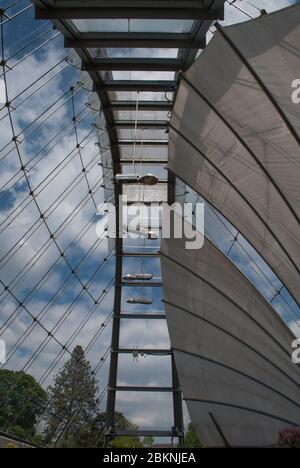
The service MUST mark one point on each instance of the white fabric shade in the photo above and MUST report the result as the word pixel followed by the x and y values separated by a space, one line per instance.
pixel 235 133
pixel 232 351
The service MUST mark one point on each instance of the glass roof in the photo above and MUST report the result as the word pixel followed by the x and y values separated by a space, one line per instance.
pixel 141 115
pixel 159 152
pixel 155 194
pixel 142 134
pixel 156 170
pixel 143 75
pixel 58 76
pixel 140 52
pixel 133 25
pixel 143 96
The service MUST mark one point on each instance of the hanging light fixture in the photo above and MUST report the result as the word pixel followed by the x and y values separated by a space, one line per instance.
pixel 139 300
pixel 151 235
pixel 127 178
pixel 148 179
pixel 144 276
pixel 129 277
pixel 138 276
pixel 148 234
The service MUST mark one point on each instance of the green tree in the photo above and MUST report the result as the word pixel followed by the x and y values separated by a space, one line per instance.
pixel 191 439
pixel 23 402
pixel 129 441
pixel 126 442
pixel 72 402
pixel 94 435
pixel 148 441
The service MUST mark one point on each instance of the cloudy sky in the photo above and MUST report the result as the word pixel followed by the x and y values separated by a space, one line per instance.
pixel 38 133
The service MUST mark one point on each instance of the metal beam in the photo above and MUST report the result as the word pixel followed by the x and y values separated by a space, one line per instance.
pixel 160 124
pixel 145 162
pixel 120 3
pixel 138 254
pixel 147 203
pixel 199 31
pixel 143 433
pixel 143 316
pixel 177 402
pixel 143 105
pixel 156 143
pixel 139 85
pixel 135 40
pixel 115 337
pixel 143 284
pixel 154 351
pixel 129 388
pixel 137 64
pixel 116 10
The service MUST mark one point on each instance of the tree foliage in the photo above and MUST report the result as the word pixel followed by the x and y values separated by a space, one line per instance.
pixel 125 441
pixel 191 439
pixel 72 417
pixel 289 437
pixel 23 403
pixel 72 402
pixel 94 434
pixel 148 441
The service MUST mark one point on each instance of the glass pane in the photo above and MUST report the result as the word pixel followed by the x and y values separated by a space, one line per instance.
pixel 100 25
pixel 161 25
pixel 143 75
pixel 133 25
pixel 141 245
pixel 161 365
pixel 156 194
pixel 143 96
pixel 158 171
pixel 159 152
pixel 132 265
pixel 135 53
pixel 141 115
pixel 142 134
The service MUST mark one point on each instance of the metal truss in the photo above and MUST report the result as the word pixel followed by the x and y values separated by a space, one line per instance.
pixel 99 64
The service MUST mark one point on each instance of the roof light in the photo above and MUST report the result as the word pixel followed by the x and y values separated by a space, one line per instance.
pixel 139 300
pixel 151 235
pixel 144 276
pixel 148 179
pixel 138 276
pixel 127 178
pixel 129 277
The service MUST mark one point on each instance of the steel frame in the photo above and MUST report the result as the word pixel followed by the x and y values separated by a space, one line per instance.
pixel 203 12
pixel 135 9
pixel 140 40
